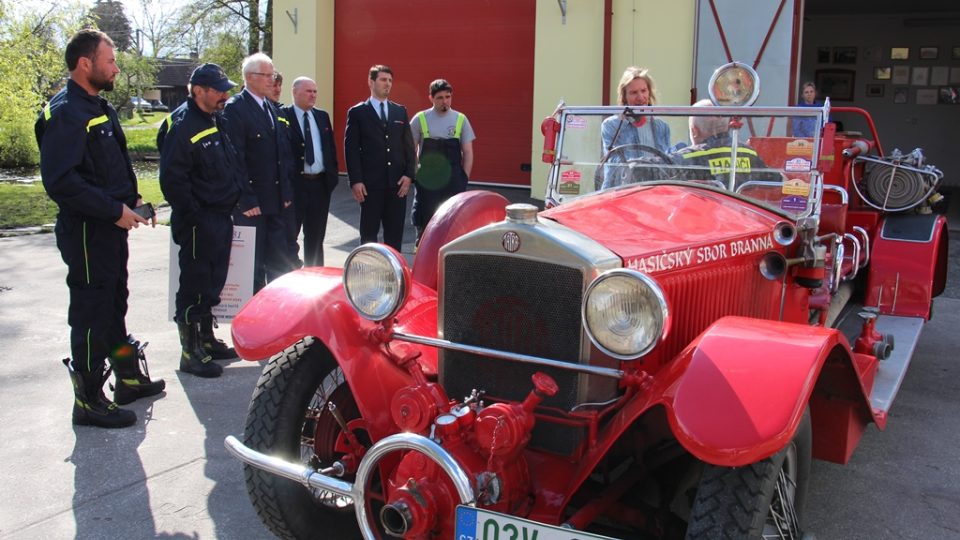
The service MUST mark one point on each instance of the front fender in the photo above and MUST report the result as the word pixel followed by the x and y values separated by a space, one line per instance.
pixel 737 393
pixel 312 302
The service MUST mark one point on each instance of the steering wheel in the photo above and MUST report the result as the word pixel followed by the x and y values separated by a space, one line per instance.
pixel 663 162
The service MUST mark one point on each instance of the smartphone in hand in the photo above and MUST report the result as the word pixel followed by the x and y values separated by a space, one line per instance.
pixel 145 211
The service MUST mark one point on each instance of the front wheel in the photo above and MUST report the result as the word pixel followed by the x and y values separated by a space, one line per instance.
pixel 757 501
pixel 289 418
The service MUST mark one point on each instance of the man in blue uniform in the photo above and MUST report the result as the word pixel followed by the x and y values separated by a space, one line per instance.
pixel 200 179
pixel 378 147
pixel 262 141
pixel 86 170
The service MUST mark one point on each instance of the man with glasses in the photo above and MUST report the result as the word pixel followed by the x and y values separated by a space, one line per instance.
pixel 200 179
pixel 260 138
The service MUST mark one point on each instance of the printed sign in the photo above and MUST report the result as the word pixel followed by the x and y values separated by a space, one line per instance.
pixel 797 164
pixel 239 286
pixel 796 186
pixel 800 147
pixel 570 182
pixel 576 122
pixel 794 203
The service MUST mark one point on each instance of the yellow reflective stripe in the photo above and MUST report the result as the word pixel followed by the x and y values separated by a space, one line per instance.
pixel 203 134
pixel 97 121
pixel 722 150
pixel 423 125
pixel 169 121
pixel 459 128
pixel 284 120
pixel 46 112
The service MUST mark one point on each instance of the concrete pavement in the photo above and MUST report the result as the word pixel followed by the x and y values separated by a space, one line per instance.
pixel 169 476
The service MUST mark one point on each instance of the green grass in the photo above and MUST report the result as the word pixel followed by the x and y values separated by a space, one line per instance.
pixel 142 140
pixel 27 205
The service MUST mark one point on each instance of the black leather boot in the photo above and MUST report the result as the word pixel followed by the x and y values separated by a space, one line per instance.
pixel 90 406
pixel 216 348
pixel 132 382
pixel 194 359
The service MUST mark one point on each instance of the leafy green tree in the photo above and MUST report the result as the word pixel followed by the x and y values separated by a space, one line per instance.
pixel 109 16
pixel 31 70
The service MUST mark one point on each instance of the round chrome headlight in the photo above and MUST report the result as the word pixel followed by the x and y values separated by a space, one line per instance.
pixel 625 313
pixel 375 279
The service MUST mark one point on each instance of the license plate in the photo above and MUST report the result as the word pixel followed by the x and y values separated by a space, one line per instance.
pixel 476 524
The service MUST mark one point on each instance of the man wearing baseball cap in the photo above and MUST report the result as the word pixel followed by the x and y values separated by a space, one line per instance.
pixel 200 180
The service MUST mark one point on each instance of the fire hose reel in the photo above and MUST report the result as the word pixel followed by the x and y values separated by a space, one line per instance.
pixel 898 182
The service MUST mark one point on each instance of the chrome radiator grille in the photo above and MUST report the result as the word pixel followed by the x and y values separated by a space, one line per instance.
pixel 510 304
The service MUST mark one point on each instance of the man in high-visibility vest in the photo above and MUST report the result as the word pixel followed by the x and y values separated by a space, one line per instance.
pixel 444 140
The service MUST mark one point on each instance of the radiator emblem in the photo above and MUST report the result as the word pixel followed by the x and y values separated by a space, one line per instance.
pixel 511 241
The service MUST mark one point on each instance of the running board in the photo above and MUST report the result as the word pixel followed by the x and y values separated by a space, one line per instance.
pixel 890 373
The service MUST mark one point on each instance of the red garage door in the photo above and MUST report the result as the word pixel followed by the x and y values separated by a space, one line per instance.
pixel 484 48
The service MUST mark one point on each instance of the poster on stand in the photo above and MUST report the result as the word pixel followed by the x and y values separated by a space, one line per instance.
pixel 239 286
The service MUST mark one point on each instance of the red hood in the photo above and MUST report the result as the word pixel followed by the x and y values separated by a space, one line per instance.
pixel 658 228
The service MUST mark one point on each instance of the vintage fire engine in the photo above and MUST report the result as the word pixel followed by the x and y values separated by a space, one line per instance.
pixel 659 354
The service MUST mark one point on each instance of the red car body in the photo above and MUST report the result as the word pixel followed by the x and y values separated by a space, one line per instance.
pixel 743 359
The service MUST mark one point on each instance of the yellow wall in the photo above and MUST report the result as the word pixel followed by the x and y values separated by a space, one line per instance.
pixel 568 65
pixel 308 51
pixel 656 34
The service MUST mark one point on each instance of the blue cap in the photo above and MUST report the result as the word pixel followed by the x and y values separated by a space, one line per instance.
pixel 213 76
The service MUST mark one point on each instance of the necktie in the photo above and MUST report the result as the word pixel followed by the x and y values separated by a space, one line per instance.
pixel 307 141
pixel 383 113
pixel 266 111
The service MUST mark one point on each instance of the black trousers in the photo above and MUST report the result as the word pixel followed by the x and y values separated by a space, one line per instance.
pixel 96 255
pixel 312 205
pixel 272 256
pixel 204 261
pixel 383 207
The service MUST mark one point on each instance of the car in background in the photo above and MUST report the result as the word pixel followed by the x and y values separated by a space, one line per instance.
pixel 141 104
pixel 158 106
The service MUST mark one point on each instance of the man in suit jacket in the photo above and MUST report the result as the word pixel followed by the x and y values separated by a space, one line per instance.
pixel 260 137
pixel 315 164
pixel 381 162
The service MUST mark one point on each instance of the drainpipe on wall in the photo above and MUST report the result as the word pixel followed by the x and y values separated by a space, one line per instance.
pixel 607 38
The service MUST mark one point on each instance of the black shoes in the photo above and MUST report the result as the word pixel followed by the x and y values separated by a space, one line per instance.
pixel 90 406
pixel 216 348
pixel 194 359
pixel 133 382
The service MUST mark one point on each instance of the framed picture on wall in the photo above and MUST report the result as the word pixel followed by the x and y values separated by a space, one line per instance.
pixel 874 90
pixel 900 53
pixel 844 55
pixel 901 74
pixel 901 94
pixel 949 95
pixel 955 54
pixel 927 96
pixel 939 75
pixel 920 76
pixel 882 73
pixel 929 53
pixel 836 83
pixel 823 55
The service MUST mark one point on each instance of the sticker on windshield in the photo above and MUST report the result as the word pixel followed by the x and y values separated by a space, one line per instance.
pixel 794 203
pixel 569 182
pixel 797 164
pixel 796 186
pixel 800 147
pixel 576 122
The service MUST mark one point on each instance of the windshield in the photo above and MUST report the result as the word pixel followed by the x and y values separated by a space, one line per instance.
pixel 604 148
